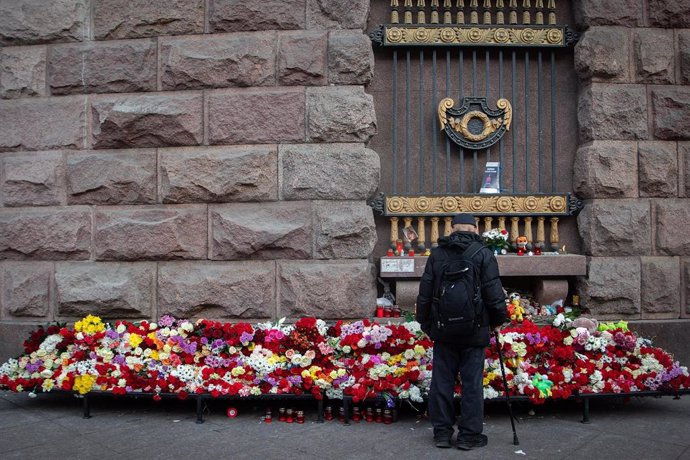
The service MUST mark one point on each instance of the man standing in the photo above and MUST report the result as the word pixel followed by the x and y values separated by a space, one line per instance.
pixel 463 353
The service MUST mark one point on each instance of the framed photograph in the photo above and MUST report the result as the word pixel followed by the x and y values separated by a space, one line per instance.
pixel 491 179
pixel 410 234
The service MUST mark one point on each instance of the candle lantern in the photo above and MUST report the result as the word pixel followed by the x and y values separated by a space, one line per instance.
pixel 379 415
pixel 328 413
pixel 281 414
pixel 300 416
pixel 289 416
pixel 369 416
pixel 268 417
pixel 356 414
pixel 387 417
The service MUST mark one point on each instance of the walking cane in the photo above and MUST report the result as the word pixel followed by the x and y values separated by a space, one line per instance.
pixel 505 387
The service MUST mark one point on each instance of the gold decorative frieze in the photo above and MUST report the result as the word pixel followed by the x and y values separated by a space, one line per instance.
pixel 517 205
pixel 474 35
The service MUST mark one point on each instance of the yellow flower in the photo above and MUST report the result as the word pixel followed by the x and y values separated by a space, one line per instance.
pixel 89 325
pixel 154 354
pixel 83 383
pixel 135 340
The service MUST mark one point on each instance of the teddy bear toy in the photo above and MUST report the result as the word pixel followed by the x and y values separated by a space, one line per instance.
pixel 515 309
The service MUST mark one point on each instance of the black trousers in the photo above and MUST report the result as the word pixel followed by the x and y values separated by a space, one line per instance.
pixel 448 360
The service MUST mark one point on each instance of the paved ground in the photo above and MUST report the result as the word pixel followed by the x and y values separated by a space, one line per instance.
pixel 51 426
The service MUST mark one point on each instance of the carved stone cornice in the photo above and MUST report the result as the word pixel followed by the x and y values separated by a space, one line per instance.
pixel 489 205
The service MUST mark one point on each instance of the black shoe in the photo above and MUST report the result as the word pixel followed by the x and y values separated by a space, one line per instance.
pixel 472 442
pixel 443 443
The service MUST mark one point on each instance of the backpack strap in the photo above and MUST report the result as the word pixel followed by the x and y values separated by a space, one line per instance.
pixel 472 250
pixel 468 253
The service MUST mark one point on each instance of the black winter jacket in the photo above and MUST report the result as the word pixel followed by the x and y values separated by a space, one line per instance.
pixel 492 290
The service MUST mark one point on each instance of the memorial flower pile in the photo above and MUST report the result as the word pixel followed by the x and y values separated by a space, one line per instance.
pixel 564 359
pixel 361 359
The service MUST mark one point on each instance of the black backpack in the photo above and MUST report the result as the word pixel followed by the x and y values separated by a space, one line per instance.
pixel 457 307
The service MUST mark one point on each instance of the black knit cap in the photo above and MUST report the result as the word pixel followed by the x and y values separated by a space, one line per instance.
pixel 466 219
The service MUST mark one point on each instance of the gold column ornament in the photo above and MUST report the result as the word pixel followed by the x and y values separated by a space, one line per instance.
pixel 394 230
pixel 448 227
pixel 528 229
pixel 540 14
pixel 421 15
pixel 501 223
pixel 474 15
pixel 514 230
pixel 525 13
pixel 394 12
pixel 407 222
pixel 541 235
pixel 512 17
pixel 421 231
pixel 552 12
pixel 447 16
pixel 434 231
pixel 554 233
pixel 461 14
pixel 488 222
pixel 408 12
pixel 434 11
pixel 487 14
pixel 500 18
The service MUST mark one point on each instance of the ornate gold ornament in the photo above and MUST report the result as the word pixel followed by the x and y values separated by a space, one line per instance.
pixel 459 124
pixel 473 35
pixel 516 205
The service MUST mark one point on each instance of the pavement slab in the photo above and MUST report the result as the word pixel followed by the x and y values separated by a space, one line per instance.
pixel 51 426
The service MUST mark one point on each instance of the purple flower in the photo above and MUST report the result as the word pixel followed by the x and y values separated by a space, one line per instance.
pixel 111 334
pixel 246 337
pixel 212 361
pixel 32 367
pixel 166 321
pixel 119 359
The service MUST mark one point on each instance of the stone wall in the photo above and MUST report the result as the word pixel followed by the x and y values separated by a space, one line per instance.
pixel 197 157
pixel 633 162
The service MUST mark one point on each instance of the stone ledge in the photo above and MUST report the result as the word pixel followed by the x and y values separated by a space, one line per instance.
pixel 511 265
